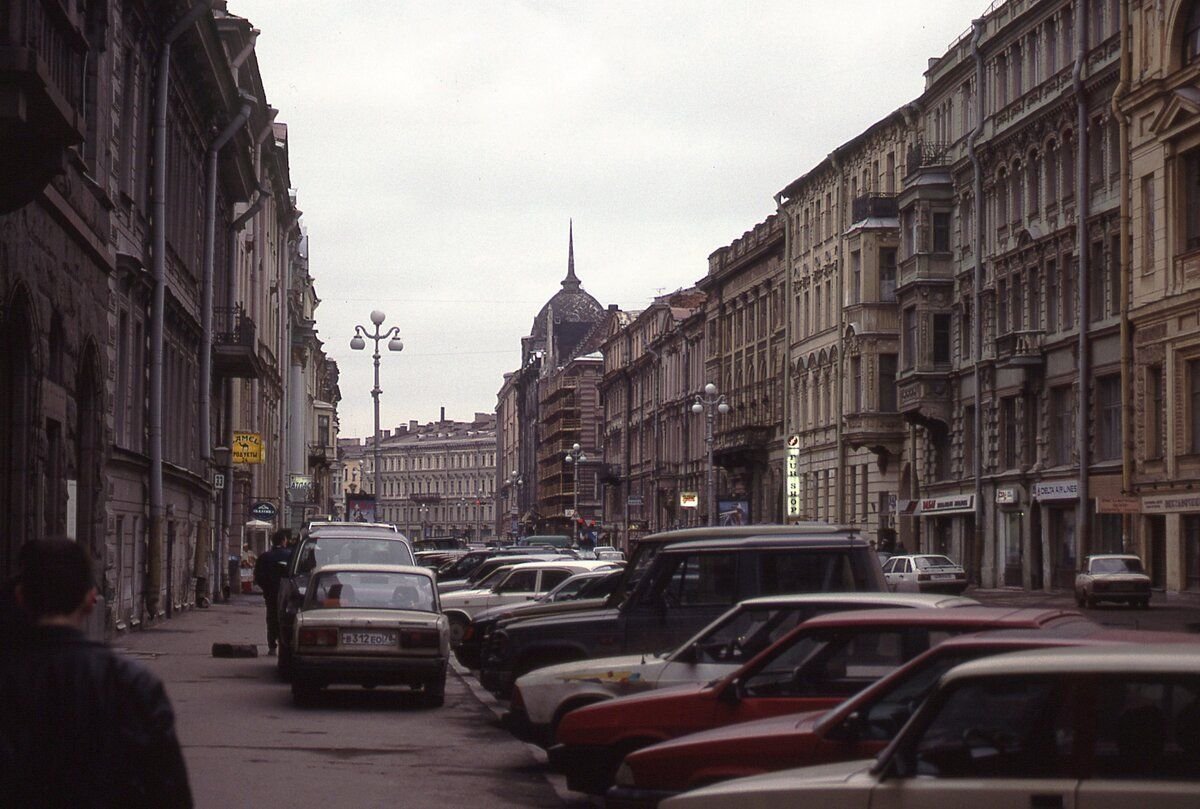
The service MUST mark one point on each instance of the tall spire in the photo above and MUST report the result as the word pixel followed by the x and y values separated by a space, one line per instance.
pixel 571 283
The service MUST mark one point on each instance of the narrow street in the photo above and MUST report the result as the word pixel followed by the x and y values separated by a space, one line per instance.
pixel 246 745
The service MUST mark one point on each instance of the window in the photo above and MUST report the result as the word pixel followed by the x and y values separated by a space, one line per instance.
pixel 1191 35
pixel 519 581
pixel 829 663
pixel 697 579
pixel 1051 40
pixel 1032 426
pixel 941 339
pixel 1193 372
pixel 1035 300
pixel 1148 225
pixel 856 389
pixel 1068 294
pixel 1016 302
pixel 887 275
pixel 1062 442
pixel 941 232
pixel 1154 412
pixel 1114 275
pixel 968 438
pixel 855 276
pixel 1068 168
pixel 910 338
pixel 1051 165
pixel 887 383
pixel 1002 201
pixel 1051 296
pixel 1096 278
pixel 1008 426
pixel 1001 82
pixel 1002 306
pixel 323 431
pixel 965 337
pixel 1108 405
pixel 1033 178
pixel 939 439
pixel 1146 728
pixel 553 578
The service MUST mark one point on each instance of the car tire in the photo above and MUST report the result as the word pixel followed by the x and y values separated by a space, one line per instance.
pixel 304 694
pixel 458 628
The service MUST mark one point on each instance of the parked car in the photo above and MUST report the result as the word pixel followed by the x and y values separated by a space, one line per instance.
pixel 1112 577
pixel 370 625
pixel 859 727
pixel 1084 728
pixel 544 696
pixel 679 581
pixel 815 666
pixel 924 573
pixel 323 543
pixel 485 567
pixel 608 553
pixel 583 591
pixel 524 582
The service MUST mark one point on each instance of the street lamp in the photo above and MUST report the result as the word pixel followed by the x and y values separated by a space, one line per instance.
pixel 392 335
pixel 710 404
pixel 514 500
pixel 575 456
pixel 423 512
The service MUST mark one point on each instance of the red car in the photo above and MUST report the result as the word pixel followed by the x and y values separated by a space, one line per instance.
pixel 814 667
pixel 857 729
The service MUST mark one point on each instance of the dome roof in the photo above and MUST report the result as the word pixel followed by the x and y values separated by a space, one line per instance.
pixel 571 304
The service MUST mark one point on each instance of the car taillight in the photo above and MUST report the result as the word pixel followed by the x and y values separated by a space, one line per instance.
pixel 420 638
pixel 318 637
pixel 924 576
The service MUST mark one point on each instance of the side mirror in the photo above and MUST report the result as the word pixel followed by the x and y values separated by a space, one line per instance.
pixel 732 693
pixel 851 729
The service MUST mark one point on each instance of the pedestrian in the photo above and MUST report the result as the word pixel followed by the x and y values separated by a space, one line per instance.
pixel 269 570
pixel 82 726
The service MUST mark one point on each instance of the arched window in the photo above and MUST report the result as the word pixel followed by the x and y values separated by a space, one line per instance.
pixel 1191 35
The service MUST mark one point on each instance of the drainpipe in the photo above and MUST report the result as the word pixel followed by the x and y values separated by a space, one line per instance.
pixel 975 561
pixel 1081 244
pixel 158 209
pixel 787 341
pixel 1126 265
pixel 840 225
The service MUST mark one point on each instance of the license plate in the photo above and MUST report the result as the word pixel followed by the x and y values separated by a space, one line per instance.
pixel 369 638
pixel 945 576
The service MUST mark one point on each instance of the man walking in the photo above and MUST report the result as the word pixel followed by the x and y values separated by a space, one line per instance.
pixel 82 726
pixel 269 570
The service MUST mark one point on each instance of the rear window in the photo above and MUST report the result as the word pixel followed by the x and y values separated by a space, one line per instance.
pixel 819 570
pixel 371 590
pixel 333 550
pixel 927 562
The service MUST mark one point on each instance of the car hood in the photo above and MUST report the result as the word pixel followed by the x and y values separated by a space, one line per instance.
pixel 603 669
pixel 784 727
pixel 730 793
pixel 564 622
pixel 525 611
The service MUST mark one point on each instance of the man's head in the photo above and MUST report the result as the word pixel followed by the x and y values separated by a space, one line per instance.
pixel 278 538
pixel 55 581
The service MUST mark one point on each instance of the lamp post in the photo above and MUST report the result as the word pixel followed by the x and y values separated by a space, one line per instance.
pixel 575 456
pixel 514 500
pixel 710 404
pixel 358 343
pixel 423 511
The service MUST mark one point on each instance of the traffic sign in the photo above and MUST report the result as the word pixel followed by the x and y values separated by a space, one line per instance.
pixel 263 511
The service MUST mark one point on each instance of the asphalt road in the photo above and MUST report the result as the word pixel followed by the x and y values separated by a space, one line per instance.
pixel 246 745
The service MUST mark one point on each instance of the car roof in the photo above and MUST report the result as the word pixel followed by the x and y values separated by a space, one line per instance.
pixel 365 530
pixel 918 555
pixel 1139 658
pixel 960 616
pixel 882 599
pixel 581 564
pixel 369 568
pixel 728 532
pixel 1113 556
pixel 767 541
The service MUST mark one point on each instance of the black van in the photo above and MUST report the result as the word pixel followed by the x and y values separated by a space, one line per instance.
pixel 679 581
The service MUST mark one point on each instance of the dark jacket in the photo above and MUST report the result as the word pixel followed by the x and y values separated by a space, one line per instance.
pixel 82 726
pixel 270 569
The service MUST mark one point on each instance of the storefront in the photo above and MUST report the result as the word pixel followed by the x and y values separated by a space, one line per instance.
pixel 1173 524
pixel 1060 542
pixel 946 523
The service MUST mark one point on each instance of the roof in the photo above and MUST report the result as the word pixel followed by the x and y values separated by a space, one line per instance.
pixel 367 568
pixel 1165 658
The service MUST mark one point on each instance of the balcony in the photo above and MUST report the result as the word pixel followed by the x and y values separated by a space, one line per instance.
pixel 924 397
pixel 1020 349
pixel 926 155
pixel 234 350
pixel 321 455
pixel 881 433
pixel 874 206
pixel 41 95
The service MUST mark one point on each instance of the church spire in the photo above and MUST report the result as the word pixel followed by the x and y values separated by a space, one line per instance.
pixel 571 283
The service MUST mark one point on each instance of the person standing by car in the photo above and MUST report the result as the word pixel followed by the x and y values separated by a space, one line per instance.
pixel 269 570
pixel 82 725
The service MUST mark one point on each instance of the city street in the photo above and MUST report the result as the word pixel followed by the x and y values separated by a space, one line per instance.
pixel 246 745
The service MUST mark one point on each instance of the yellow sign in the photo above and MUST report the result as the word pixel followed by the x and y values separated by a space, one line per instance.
pixel 248 448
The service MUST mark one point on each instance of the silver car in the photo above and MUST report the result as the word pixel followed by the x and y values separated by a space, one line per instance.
pixel 1112 577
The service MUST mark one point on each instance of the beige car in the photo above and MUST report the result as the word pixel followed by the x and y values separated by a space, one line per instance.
pixel 1112 577
pixel 370 625
pixel 1083 728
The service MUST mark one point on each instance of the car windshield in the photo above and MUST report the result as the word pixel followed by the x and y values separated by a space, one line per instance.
pixel 334 550
pixel 1118 565
pixel 926 562
pixel 371 590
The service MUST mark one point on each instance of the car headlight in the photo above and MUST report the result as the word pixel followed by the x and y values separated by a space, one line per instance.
pixel 624 776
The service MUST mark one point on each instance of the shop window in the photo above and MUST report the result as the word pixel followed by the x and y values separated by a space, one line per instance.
pixel 1108 534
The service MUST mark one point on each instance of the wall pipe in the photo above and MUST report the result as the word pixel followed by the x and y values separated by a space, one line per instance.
pixel 975 554
pixel 787 341
pixel 158 216
pixel 1126 267
pixel 1081 243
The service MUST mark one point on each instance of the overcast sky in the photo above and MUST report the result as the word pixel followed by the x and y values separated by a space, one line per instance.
pixel 439 150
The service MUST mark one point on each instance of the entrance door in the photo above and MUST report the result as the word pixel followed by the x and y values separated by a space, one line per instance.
pixel 1158 551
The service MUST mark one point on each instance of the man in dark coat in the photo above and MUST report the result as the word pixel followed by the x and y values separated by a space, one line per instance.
pixel 269 570
pixel 81 726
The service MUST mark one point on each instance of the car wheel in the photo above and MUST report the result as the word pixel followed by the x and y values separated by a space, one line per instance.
pixel 458 628
pixel 304 694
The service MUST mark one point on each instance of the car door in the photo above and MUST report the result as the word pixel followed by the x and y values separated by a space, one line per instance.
pixel 905 576
pixel 551 578
pixel 1004 743
pixel 521 585
pixel 889 573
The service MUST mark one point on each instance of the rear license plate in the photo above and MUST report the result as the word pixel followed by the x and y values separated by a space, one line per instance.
pixel 369 638
pixel 944 576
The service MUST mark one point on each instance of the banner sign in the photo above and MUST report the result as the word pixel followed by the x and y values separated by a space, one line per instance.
pixel 793 476
pixel 952 504
pixel 1170 503
pixel 248 448
pixel 1056 490
pixel 1118 505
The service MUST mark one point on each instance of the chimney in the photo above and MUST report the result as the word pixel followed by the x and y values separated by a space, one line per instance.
pixel 442 420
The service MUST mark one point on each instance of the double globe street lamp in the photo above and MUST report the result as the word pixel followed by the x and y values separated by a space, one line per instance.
pixel 575 456
pixel 710 404
pixel 394 343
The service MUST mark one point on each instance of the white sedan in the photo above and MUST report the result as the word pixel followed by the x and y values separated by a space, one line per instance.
pixel 924 573
pixel 1112 577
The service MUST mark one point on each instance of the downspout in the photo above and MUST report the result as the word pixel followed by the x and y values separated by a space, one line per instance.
pixel 1081 217
pixel 975 555
pixel 788 427
pixel 840 225
pixel 628 423
pixel 158 209
pixel 1126 265
pixel 201 564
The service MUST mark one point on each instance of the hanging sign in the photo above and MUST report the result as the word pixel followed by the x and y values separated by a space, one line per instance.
pixel 248 448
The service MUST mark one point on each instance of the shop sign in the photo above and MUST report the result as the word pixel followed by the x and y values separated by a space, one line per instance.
pixel 952 504
pixel 1006 497
pixel 634 500
pixel 1170 503
pixel 263 511
pixel 248 448
pixel 689 500
pixel 793 476
pixel 1118 505
pixel 1056 490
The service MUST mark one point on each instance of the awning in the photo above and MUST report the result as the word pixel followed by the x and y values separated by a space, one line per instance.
pixel 259 525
